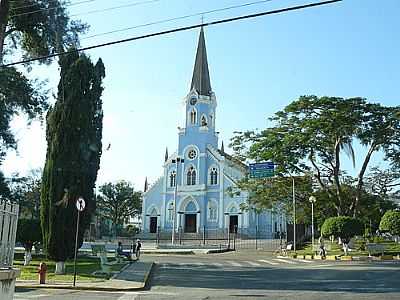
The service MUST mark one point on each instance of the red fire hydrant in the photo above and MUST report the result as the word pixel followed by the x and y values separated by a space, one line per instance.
pixel 42 270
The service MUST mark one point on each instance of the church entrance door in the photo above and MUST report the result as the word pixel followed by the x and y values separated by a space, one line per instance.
pixel 233 224
pixel 153 224
pixel 190 223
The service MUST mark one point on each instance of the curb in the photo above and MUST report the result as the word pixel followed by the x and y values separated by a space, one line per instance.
pixel 123 268
pixel 189 252
pixel 212 251
pixel 89 288
pixel 147 275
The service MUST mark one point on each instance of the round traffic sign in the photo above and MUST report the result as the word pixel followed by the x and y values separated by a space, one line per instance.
pixel 80 204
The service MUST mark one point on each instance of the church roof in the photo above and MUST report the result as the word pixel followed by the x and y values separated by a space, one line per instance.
pixel 201 77
pixel 232 159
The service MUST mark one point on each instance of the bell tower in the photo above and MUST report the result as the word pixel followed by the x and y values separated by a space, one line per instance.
pixel 200 105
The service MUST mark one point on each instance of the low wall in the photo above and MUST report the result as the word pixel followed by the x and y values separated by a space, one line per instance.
pixel 7 283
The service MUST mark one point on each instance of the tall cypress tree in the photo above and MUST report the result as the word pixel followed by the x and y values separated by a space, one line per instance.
pixel 74 133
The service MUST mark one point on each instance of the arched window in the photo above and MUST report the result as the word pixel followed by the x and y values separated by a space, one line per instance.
pixel 203 120
pixel 193 116
pixel 212 211
pixel 190 207
pixel 214 176
pixel 172 179
pixel 191 176
pixel 233 209
pixel 170 212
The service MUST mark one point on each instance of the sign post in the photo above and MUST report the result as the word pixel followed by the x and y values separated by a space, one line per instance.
pixel 262 170
pixel 80 206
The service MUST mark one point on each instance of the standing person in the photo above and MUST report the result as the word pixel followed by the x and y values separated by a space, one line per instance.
pixel 133 249
pixel 322 252
pixel 138 246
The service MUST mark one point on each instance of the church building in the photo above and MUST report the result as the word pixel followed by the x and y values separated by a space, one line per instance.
pixel 192 192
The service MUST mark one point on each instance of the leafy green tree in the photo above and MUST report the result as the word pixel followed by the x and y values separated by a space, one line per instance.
pixel 391 222
pixel 17 95
pixel 74 147
pixel 342 227
pixel 31 28
pixel 26 192
pixel 310 136
pixel 383 183
pixel 37 28
pixel 29 232
pixel 117 202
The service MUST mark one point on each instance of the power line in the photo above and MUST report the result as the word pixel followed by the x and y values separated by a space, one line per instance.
pixel 177 18
pixel 89 12
pixel 277 11
pixel 50 1
pixel 115 7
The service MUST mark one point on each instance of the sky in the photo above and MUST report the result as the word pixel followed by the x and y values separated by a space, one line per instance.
pixel 257 67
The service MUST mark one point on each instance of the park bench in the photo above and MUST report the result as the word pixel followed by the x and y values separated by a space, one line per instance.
pixel 327 247
pixel 98 248
pixel 375 249
pixel 104 263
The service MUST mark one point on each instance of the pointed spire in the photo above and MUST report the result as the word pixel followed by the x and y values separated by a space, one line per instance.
pixel 146 185
pixel 201 77
pixel 222 147
pixel 166 154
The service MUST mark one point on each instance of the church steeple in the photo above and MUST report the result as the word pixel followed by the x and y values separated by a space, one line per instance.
pixel 201 77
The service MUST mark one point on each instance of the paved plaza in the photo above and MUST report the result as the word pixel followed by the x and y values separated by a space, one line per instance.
pixel 250 275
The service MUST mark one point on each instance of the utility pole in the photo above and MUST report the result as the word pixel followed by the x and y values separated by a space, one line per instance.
pixel 312 200
pixel 176 161
pixel 294 215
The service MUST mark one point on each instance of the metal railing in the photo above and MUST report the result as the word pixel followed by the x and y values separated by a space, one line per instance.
pixel 8 231
pixel 234 238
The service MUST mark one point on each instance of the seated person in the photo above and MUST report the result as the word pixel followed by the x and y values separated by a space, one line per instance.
pixel 120 251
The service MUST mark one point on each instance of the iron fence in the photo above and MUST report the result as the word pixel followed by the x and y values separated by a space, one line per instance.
pixel 8 231
pixel 235 238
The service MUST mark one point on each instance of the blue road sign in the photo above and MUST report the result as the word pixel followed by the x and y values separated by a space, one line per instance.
pixel 261 170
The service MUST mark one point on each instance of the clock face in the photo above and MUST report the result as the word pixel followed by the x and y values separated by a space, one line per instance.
pixel 193 100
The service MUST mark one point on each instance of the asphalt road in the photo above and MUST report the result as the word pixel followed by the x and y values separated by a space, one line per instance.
pixel 252 275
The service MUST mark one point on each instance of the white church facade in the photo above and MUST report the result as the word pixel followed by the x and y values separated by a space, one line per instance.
pixel 191 195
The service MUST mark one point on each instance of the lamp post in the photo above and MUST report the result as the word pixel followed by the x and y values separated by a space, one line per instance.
pixel 294 214
pixel 175 161
pixel 312 199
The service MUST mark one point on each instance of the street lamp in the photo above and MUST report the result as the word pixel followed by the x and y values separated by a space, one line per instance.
pixel 175 161
pixel 312 199
pixel 294 214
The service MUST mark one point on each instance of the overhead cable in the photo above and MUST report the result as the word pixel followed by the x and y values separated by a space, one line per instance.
pixel 176 18
pixel 271 12
pixel 50 1
pixel 89 12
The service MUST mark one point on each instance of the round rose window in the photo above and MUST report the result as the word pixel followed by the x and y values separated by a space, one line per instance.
pixel 192 154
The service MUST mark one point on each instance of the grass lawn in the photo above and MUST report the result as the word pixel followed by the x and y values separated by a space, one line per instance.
pixel 85 266
pixel 391 248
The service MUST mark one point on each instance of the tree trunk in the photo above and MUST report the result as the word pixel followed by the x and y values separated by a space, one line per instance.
pixel 60 268
pixel 4 9
pixel 336 171
pixel 360 182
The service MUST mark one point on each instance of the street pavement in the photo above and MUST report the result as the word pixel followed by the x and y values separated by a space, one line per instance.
pixel 252 275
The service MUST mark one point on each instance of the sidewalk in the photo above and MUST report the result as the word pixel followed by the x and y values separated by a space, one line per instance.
pixel 188 251
pixel 133 277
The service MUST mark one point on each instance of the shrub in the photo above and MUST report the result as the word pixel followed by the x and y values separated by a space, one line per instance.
pixel 343 227
pixel 390 222
pixel 29 232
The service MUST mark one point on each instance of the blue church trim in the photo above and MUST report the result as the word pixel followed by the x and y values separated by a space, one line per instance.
pixel 201 180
